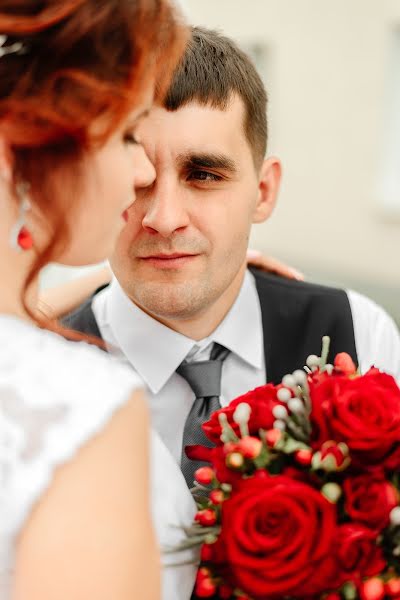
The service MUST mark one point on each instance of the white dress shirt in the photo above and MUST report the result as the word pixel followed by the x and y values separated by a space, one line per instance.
pixel 154 351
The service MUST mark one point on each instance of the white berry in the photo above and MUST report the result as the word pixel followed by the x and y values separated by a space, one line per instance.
pixel 313 361
pixel 280 412
pixel 300 377
pixel 395 515
pixel 289 381
pixel 284 395
pixel 242 413
pixel 296 406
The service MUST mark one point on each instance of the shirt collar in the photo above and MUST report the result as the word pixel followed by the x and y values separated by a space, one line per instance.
pixel 155 351
pixel 241 330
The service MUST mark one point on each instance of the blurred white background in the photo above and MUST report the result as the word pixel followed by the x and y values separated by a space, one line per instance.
pixel 332 70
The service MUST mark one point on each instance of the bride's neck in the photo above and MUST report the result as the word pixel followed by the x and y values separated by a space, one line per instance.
pixel 13 274
pixel 14 270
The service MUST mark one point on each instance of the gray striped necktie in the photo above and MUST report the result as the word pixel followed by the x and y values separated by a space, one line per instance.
pixel 204 377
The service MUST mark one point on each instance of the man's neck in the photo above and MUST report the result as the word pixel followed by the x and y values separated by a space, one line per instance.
pixel 204 323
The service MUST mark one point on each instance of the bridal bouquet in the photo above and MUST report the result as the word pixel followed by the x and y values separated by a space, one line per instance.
pixel 302 496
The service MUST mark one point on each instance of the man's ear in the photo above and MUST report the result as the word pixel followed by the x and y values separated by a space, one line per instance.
pixel 6 162
pixel 268 188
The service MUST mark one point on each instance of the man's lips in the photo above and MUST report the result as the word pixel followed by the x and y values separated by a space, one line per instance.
pixel 166 261
pixel 165 256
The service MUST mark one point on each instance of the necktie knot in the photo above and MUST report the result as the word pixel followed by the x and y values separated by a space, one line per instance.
pixel 203 377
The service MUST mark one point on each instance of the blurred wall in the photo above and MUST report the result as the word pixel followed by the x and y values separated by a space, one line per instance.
pixel 329 69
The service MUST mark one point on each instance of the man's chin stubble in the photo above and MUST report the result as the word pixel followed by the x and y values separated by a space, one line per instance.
pixel 180 303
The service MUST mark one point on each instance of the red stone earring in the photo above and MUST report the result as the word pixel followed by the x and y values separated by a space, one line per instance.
pixel 20 236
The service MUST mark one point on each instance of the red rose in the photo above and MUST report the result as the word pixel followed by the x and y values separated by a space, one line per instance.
pixel 392 463
pixel 364 413
pixel 307 477
pixel 276 538
pixel 261 400
pixel 369 499
pixel 357 553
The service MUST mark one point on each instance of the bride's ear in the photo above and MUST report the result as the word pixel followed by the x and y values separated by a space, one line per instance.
pixel 6 161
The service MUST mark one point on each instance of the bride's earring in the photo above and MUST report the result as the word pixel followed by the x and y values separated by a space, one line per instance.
pixel 20 236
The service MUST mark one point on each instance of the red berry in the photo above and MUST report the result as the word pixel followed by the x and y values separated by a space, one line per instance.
pixel 344 363
pixel 206 553
pixel 273 436
pixel 303 457
pixel 203 573
pixel 204 475
pixel 333 596
pixel 217 496
pixel 230 447
pixel 206 517
pixel 205 588
pixel 250 446
pixel 392 587
pixel 334 456
pixel 235 460
pixel 261 474
pixel 372 589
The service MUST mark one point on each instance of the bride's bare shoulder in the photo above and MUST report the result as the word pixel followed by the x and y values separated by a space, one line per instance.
pixel 90 534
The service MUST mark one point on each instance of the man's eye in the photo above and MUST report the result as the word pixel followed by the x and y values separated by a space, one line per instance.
pixel 203 176
pixel 129 138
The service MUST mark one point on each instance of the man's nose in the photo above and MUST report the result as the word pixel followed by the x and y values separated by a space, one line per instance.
pixel 145 172
pixel 165 211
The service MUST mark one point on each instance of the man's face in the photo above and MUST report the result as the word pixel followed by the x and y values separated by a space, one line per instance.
pixel 184 246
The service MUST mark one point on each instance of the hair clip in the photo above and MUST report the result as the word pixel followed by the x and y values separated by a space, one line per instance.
pixel 15 48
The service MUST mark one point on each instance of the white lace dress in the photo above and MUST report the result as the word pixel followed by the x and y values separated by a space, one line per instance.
pixel 54 396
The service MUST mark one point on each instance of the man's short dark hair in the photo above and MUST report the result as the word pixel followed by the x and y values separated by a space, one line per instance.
pixel 212 70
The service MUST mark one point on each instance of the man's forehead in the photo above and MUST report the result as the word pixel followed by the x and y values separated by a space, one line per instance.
pixel 194 129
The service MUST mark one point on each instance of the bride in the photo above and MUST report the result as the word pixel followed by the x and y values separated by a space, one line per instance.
pixel 77 499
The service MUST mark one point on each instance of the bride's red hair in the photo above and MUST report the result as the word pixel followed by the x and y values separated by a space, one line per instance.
pixel 81 59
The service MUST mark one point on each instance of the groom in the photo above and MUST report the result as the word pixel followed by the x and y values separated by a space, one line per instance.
pixel 182 294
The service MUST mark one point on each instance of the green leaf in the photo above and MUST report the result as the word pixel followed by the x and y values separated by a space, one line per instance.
pixel 185 545
pixel 263 459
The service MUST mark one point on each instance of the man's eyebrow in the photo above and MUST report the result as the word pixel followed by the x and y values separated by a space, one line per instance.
pixel 207 160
